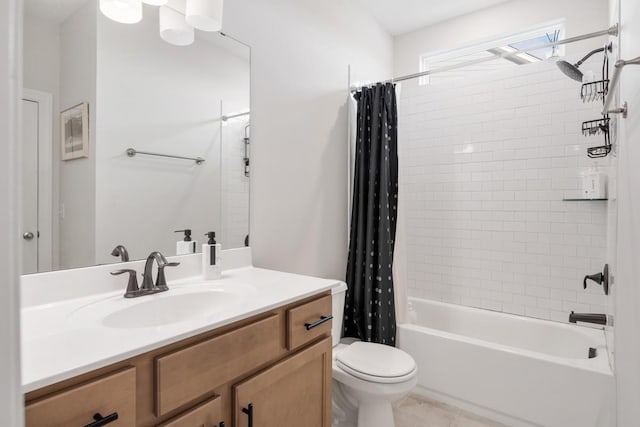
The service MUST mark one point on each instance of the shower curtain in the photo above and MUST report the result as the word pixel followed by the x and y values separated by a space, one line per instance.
pixel 369 312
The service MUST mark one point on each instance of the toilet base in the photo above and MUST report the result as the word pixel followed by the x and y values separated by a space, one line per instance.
pixel 375 414
pixel 369 411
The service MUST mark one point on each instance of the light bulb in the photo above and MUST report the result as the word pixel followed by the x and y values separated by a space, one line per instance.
pixel 205 15
pixel 155 2
pixel 174 29
pixel 123 11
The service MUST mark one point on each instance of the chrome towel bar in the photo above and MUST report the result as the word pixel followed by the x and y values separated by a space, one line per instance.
pixel 131 152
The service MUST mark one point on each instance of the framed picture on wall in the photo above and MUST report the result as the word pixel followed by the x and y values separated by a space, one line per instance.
pixel 74 132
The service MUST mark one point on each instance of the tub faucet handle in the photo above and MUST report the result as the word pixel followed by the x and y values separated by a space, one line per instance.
pixel 599 278
pixel 595 277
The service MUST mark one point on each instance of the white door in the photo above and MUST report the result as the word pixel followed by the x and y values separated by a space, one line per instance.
pixel 36 234
pixel 29 187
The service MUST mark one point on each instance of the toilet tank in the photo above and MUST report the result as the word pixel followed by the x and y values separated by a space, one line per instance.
pixel 337 311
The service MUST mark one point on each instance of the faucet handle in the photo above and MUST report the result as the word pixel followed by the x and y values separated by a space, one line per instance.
pixel 599 278
pixel 161 280
pixel 124 270
pixel 132 285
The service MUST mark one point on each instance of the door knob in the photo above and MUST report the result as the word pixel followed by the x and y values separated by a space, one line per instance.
pixel 28 236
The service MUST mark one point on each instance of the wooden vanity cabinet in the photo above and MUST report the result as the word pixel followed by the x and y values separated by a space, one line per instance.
pixel 292 393
pixel 206 414
pixel 86 403
pixel 278 361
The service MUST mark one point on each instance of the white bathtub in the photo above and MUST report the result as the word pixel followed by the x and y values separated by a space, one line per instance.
pixel 517 370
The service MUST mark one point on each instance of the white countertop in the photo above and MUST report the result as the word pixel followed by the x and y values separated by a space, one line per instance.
pixel 66 338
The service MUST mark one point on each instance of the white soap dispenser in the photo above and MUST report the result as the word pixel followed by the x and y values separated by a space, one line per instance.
pixel 594 183
pixel 211 268
pixel 187 245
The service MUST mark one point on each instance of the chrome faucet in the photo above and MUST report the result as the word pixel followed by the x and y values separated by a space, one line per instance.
pixel 148 287
pixel 121 251
pixel 161 281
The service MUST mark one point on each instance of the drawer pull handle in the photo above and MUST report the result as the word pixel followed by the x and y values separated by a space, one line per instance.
pixel 249 412
pixel 323 319
pixel 101 421
pixel 221 424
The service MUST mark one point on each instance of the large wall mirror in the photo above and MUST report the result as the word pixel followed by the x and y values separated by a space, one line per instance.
pixel 96 89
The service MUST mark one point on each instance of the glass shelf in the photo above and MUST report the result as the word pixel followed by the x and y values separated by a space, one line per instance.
pixel 584 200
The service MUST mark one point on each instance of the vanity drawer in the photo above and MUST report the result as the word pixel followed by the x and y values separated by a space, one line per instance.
pixel 76 406
pixel 190 373
pixel 207 414
pixel 308 321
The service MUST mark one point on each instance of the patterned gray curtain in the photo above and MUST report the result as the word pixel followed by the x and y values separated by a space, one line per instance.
pixel 369 312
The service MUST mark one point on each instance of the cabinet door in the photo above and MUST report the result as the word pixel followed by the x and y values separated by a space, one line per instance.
pixel 187 374
pixel 295 392
pixel 112 397
pixel 208 414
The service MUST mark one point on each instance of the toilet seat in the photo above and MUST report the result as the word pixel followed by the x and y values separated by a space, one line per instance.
pixel 376 363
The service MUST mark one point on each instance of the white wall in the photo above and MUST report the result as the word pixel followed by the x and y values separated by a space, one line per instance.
pixel 153 96
pixel 11 413
pixel 582 16
pixel 41 59
pixel 77 177
pixel 627 285
pixel 300 53
pixel 41 71
pixel 486 164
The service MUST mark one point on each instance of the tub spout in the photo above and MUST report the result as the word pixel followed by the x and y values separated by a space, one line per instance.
pixel 597 318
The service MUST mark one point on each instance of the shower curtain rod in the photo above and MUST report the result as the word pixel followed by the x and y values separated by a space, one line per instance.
pixel 225 118
pixel 611 31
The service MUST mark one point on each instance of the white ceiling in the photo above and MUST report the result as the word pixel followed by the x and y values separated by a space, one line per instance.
pixel 403 16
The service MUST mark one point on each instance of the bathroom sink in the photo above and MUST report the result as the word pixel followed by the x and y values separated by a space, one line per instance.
pixel 165 310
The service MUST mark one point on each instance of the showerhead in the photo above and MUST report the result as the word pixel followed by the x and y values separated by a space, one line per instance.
pixel 570 70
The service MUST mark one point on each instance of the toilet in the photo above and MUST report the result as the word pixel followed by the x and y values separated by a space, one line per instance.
pixel 367 377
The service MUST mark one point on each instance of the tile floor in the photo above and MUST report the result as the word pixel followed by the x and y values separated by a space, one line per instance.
pixel 414 411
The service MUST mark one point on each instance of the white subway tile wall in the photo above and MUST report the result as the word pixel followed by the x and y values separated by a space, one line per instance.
pixel 235 185
pixel 484 166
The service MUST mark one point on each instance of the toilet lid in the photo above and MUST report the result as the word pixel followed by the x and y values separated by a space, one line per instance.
pixel 376 362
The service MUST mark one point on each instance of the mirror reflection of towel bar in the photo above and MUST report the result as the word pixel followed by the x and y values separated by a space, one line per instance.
pixel 131 152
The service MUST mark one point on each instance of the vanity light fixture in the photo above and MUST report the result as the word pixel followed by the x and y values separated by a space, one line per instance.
pixel 177 18
pixel 205 15
pixel 123 11
pixel 174 28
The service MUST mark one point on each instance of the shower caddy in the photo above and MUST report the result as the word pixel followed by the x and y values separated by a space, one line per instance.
pixel 592 92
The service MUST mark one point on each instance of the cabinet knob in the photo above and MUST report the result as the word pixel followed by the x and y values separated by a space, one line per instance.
pixel 101 421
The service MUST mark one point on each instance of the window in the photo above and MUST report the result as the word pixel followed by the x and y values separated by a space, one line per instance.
pixel 493 48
